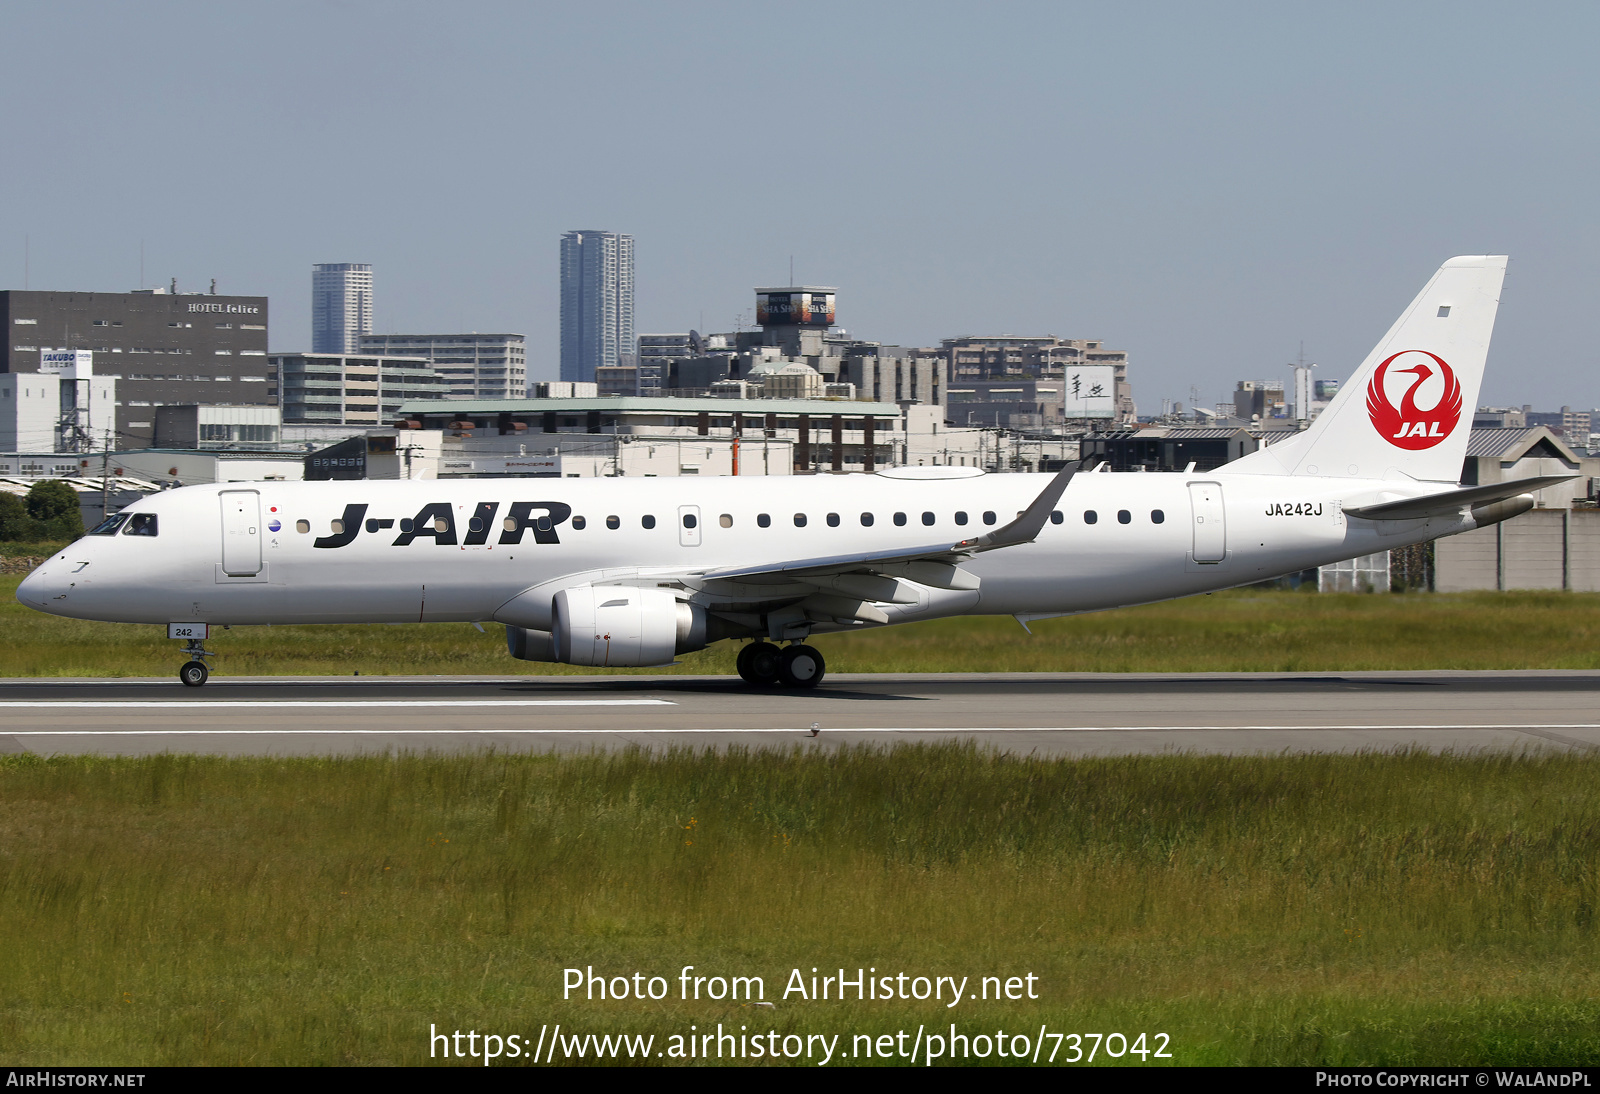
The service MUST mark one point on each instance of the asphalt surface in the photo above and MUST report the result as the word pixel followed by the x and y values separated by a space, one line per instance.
pixel 1055 714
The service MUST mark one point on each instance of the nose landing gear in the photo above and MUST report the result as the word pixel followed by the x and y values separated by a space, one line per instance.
pixel 194 672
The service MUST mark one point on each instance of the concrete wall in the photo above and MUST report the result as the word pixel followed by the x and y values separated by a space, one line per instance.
pixel 1544 549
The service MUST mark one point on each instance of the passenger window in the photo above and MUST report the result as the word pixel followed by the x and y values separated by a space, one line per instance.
pixel 799 520
pixel 613 522
pixel 372 525
pixel 726 520
pixel 763 520
pixel 1090 516
pixel 405 526
pixel 142 524
pixel 927 518
pixel 109 526
pixel 1157 516
pixel 689 521
pixel 302 526
pixel 961 518
pixel 866 520
pixel 336 526
pixel 1056 517
pixel 473 525
pixel 899 520
pixel 648 521
pixel 579 523
pixel 833 520
pixel 1124 517
pixel 988 516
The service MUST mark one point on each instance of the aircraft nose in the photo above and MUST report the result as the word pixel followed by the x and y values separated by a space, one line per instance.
pixel 34 590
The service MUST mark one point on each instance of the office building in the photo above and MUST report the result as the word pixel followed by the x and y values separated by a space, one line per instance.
pixel 341 306
pixel 596 303
pixel 195 427
pixel 159 345
pixel 656 354
pixel 816 434
pixel 1259 399
pixel 474 366
pixel 1026 382
pixel 349 388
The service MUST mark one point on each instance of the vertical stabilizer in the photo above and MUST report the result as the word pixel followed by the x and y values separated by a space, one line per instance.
pixel 1407 411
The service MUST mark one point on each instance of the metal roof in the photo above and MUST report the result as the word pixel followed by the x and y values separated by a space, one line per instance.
pixel 1214 433
pixel 1511 444
pixel 644 405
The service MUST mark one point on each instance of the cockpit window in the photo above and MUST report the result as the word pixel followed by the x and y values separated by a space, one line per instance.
pixel 109 526
pixel 141 524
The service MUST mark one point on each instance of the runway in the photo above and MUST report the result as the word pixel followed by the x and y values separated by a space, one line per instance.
pixel 1054 714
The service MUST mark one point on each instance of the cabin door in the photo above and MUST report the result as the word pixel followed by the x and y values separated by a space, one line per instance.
pixel 1210 529
pixel 241 532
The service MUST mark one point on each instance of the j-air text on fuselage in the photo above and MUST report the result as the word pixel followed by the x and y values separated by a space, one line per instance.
pixel 632 572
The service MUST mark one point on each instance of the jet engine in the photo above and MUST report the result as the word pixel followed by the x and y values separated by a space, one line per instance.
pixel 613 626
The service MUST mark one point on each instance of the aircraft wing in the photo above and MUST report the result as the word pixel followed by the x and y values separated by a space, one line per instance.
pixel 1452 501
pixel 1025 529
pixel 848 588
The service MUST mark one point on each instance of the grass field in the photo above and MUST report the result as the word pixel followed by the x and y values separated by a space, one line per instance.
pixel 1244 630
pixel 1325 909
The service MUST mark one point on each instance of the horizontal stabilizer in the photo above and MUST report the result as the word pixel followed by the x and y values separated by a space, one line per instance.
pixel 1452 501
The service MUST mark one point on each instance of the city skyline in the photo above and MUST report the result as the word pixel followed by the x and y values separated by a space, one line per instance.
pixel 1207 188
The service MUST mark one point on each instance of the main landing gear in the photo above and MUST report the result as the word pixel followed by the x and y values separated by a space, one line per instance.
pixel 194 672
pixel 798 666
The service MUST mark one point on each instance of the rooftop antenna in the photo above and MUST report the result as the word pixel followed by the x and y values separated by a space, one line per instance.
pixel 141 264
pixel 791 269
pixel 27 255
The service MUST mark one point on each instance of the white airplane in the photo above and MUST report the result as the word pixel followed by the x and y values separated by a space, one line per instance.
pixel 615 572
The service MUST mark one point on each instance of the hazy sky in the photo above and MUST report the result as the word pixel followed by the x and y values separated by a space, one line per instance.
pixel 1204 185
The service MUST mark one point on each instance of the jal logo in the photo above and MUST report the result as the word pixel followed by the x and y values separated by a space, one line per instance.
pixel 1409 425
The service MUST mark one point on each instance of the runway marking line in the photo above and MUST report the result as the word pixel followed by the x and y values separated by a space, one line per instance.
pixel 205 704
pixel 794 729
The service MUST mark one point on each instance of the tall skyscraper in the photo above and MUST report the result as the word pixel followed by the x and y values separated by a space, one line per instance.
pixel 341 306
pixel 596 303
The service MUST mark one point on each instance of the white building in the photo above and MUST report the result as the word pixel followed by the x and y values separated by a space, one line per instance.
pixel 341 306
pixel 474 366
pixel 70 410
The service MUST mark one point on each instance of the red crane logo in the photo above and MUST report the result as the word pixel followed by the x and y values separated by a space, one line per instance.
pixel 1407 426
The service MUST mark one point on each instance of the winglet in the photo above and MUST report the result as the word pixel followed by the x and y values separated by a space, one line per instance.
pixel 1026 528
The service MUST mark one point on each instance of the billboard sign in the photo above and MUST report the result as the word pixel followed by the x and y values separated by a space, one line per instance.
pixel 1091 391
pixel 77 364
pixel 795 309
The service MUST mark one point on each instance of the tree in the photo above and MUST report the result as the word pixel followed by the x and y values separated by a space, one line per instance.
pixel 54 505
pixel 15 524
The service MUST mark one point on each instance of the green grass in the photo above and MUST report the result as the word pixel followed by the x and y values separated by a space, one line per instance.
pixel 1245 630
pixel 1350 909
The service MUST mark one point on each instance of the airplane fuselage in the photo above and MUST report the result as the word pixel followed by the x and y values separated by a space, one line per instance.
pixel 458 550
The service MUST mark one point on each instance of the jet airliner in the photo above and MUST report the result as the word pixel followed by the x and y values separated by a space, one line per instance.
pixel 631 572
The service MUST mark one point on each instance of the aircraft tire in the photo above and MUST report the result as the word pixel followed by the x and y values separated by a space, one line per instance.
pixel 758 664
pixel 801 667
pixel 194 673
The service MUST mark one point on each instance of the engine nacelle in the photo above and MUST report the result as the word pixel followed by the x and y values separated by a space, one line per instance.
pixel 613 626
